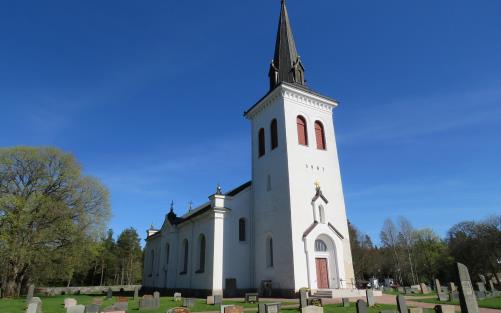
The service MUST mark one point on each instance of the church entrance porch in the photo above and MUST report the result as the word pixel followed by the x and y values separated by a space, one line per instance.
pixel 322 273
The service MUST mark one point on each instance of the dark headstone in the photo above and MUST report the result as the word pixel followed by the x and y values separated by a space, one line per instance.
pixel 401 305
pixel 303 297
pixel 370 297
pixel 251 297
pixel 92 308
pixel 361 306
pixel 346 302
pixel 31 291
pixel 109 294
pixel 467 297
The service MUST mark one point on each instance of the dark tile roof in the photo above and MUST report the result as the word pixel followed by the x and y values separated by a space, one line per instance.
pixel 239 189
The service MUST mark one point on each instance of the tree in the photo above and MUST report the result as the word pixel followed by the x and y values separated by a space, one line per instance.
pixel 407 241
pixel 389 239
pixel 130 256
pixel 48 209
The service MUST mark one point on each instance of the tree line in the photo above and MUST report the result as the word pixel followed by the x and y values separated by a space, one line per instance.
pixel 52 225
pixel 411 256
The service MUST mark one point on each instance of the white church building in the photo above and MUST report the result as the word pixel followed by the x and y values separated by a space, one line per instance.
pixel 283 230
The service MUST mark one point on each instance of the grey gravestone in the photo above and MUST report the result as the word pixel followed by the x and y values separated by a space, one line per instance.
pixel 491 286
pixel 109 293
pixel 481 287
pixel 442 296
pixel 31 291
pixel 190 302
pixel 148 303
pixel 401 289
pixel 34 307
pixel 370 297
pixel 271 308
pixel 251 297
pixel 361 306
pixel 452 287
pixel 218 299
pixel 303 298
pixel 156 297
pixel 136 293
pixel 177 296
pixel 346 302
pixel 79 308
pixel 401 305
pixel 92 308
pixel 438 288
pixel 210 300
pixel 466 295
pixel 312 309
pixel 121 306
pixel 453 296
pixel 35 300
pixel 480 295
pixel 424 288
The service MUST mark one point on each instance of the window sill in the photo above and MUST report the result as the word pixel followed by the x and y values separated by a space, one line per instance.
pixel 182 273
pixel 200 272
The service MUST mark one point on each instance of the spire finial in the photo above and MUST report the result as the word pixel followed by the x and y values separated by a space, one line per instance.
pixel 219 190
pixel 172 206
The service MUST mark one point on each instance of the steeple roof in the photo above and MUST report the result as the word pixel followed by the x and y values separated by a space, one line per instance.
pixel 286 65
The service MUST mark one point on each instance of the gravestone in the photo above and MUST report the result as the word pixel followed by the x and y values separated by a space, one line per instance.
pixel 177 296
pixel 370 297
pixel 269 307
pixel 34 307
pixel 312 309
pixel 452 287
pixel 79 308
pixel 442 308
pixel 415 310
pixel 136 293
pixel 223 307
pixel 251 297
pixel 442 296
pixel 400 289
pixel 68 302
pixel 234 309
pixel 190 302
pixel 424 288
pixel 491 287
pixel 121 306
pixel 218 299
pixel 480 295
pixel 35 300
pixel 98 301
pixel 453 296
pixel 361 306
pixel 401 305
pixel 346 302
pixel 178 310
pixel 92 308
pixel 122 299
pixel 109 294
pixel 31 291
pixel 148 303
pixel 156 297
pixel 303 298
pixel 210 300
pixel 481 287
pixel 438 289
pixel 466 295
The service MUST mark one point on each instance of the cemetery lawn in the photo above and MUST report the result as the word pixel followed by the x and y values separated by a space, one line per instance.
pixel 491 303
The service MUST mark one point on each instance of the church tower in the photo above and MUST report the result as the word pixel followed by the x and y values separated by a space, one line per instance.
pixel 299 225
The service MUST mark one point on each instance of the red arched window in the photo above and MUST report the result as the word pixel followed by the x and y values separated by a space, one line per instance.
pixel 302 133
pixel 274 134
pixel 261 142
pixel 320 135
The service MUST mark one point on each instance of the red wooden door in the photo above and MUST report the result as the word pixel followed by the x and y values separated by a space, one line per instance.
pixel 322 274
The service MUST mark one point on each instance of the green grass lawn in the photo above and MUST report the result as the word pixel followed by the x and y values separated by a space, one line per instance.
pixel 492 303
pixel 56 304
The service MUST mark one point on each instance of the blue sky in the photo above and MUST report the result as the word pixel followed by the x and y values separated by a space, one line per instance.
pixel 149 96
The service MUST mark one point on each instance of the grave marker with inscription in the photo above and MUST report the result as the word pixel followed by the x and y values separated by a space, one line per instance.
pixel 312 309
pixel 467 297
pixel 361 306
pixel 251 297
pixel 177 296
pixel 79 308
pixel 31 291
pixel 190 302
pixel 92 308
pixel 370 297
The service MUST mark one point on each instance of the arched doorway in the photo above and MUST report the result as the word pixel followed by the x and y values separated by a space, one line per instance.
pixel 325 263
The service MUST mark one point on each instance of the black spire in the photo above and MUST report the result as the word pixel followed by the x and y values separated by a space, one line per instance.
pixel 286 65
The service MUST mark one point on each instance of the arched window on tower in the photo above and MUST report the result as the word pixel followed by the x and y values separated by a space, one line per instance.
pixel 241 229
pixel 261 142
pixel 320 135
pixel 201 249
pixel 269 252
pixel 320 246
pixel 185 257
pixel 302 133
pixel 274 134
